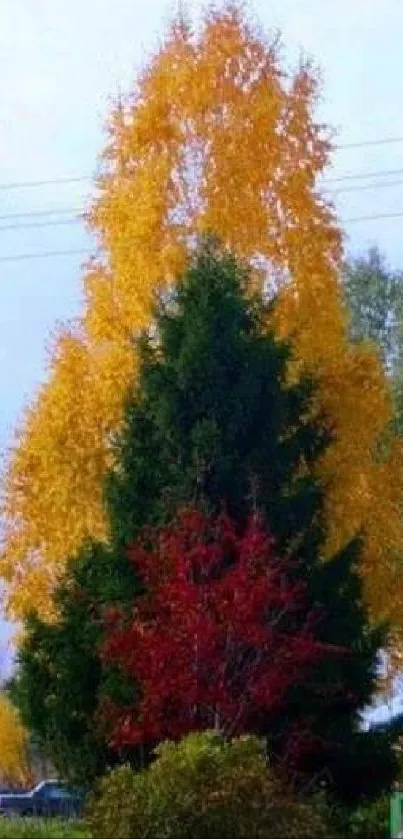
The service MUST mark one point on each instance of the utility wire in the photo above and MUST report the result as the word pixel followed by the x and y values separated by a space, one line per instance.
pixel 46 182
pixel 363 175
pixel 26 225
pixel 78 215
pixel 90 178
pixel 43 255
pixel 350 176
pixel 46 254
pixel 362 187
pixel 48 212
pixel 57 181
pixel 381 141
pixel 81 252
pixel 384 141
pixel 371 218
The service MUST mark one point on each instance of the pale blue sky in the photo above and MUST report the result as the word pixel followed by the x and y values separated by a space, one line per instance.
pixel 61 63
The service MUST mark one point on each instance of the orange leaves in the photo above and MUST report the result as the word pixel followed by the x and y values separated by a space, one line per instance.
pixel 215 137
pixel 357 402
pixel 14 763
pixel 52 489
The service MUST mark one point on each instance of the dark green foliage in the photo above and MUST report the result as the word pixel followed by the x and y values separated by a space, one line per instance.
pixel 228 430
pixel 331 702
pixel 60 677
pixel 211 422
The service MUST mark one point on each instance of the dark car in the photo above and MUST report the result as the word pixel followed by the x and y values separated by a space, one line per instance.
pixel 48 798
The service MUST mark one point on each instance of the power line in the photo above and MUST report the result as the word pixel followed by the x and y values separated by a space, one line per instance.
pixel 87 178
pixel 351 176
pixel 48 212
pixel 57 181
pixel 45 182
pixel 363 175
pixel 27 225
pixel 363 187
pixel 78 215
pixel 381 141
pixel 43 255
pixel 384 141
pixel 371 218
pixel 82 252
pixel 90 178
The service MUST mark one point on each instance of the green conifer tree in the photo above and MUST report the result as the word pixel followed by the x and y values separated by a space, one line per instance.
pixel 212 422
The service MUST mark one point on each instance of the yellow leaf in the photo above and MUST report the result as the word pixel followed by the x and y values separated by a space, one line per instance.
pixel 14 760
pixel 215 137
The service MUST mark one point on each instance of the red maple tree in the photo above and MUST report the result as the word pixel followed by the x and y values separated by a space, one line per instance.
pixel 219 637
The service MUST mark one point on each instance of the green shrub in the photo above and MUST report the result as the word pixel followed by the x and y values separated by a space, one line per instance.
pixel 370 821
pixel 203 786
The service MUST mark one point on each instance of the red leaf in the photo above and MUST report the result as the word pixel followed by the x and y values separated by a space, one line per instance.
pixel 221 632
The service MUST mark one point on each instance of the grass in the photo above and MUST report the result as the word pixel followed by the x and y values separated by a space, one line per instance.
pixel 31 828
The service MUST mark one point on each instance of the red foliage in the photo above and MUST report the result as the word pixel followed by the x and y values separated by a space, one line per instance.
pixel 220 636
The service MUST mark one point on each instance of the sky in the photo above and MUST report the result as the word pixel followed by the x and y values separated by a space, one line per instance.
pixel 63 63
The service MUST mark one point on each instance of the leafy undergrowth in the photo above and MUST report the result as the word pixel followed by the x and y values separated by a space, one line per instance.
pixel 27 828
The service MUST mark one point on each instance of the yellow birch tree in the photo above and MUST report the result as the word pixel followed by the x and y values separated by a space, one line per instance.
pixel 214 137
pixel 14 751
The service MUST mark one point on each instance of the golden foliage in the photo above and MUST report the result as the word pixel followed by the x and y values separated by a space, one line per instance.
pixel 215 137
pixel 14 760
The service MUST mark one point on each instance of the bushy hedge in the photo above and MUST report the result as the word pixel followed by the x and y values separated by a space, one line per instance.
pixel 371 821
pixel 204 786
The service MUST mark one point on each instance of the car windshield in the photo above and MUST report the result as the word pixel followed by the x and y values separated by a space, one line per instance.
pixel 57 792
pixel 51 789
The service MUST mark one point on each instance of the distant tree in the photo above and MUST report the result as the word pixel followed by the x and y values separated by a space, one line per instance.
pixel 370 289
pixel 374 297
